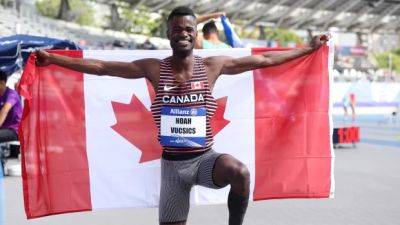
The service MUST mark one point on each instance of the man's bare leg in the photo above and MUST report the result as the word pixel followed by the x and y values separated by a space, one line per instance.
pixel 229 170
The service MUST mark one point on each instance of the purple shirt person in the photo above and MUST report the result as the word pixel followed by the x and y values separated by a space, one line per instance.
pixel 13 117
pixel 10 115
pixel 10 111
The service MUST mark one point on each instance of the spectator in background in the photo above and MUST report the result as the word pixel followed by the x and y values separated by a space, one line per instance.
pixel 349 101
pixel 353 102
pixel 10 113
pixel 210 37
pixel 147 45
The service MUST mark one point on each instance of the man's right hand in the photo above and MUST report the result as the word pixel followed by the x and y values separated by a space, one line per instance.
pixel 42 58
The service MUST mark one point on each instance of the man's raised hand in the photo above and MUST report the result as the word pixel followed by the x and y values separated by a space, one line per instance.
pixel 318 40
pixel 42 58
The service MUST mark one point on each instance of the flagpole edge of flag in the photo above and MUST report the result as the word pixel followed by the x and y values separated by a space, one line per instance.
pixel 331 55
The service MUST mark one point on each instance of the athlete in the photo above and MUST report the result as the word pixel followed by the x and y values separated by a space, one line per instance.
pixel 182 110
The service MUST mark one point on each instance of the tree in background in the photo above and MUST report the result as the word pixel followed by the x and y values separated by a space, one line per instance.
pixel 384 60
pixel 282 35
pixel 124 17
pixel 266 33
pixel 397 51
pixel 48 8
pixel 141 21
pixel 79 10
pixel 3 2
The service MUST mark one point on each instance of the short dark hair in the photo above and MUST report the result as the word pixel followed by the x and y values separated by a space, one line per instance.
pixel 210 28
pixel 3 76
pixel 181 11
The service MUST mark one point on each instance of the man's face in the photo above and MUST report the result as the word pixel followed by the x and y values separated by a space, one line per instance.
pixel 182 33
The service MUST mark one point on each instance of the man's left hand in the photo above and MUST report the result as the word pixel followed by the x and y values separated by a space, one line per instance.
pixel 318 41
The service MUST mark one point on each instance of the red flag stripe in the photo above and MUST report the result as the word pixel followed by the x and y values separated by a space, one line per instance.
pixel 291 110
pixel 55 170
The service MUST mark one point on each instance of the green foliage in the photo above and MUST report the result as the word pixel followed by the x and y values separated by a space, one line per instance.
pixel 249 34
pixel 48 8
pixel 84 13
pixel 383 60
pixel 282 35
pixel 141 21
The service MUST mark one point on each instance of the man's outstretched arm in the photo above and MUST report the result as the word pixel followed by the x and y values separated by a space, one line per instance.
pixel 135 69
pixel 229 65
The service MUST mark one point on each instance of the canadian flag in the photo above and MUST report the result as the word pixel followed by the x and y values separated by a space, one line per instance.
pixel 90 142
pixel 197 85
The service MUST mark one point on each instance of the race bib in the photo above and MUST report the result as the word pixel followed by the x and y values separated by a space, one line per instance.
pixel 183 126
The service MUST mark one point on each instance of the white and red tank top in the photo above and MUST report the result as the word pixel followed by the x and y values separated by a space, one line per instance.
pixel 182 112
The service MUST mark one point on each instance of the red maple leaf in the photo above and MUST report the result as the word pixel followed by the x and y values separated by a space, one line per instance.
pixel 218 122
pixel 136 124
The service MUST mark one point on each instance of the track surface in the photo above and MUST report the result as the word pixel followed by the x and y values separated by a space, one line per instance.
pixel 367 192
